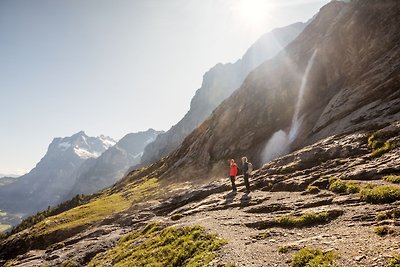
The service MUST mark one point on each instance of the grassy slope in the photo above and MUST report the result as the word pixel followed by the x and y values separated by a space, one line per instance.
pixel 98 209
pixel 157 246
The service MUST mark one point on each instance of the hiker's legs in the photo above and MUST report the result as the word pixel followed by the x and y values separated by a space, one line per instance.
pixel 233 183
pixel 246 181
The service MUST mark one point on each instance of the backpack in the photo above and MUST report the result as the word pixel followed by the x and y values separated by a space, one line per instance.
pixel 249 168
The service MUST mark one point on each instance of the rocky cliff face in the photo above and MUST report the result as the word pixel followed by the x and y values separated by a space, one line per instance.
pixel 219 83
pixel 53 176
pixel 96 174
pixel 353 83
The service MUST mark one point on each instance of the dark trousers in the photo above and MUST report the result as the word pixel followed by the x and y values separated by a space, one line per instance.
pixel 233 182
pixel 246 181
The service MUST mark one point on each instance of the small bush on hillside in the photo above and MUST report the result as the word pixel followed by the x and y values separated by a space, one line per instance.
pixel 283 249
pixel 382 230
pixel 380 194
pixel 379 145
pixel 396 214
pixel 304 220
pixel 313 257
pixel 394 262
pixel 381 216
pixel 340 186
pixel 262 236
pixel 392 178
pixel 312 189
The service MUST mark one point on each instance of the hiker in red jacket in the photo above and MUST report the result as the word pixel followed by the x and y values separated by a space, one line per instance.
pixel 232 173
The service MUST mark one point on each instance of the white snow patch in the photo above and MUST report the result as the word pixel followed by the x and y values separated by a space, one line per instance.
pixel 150 140
pixel 107 141
pixel 84 154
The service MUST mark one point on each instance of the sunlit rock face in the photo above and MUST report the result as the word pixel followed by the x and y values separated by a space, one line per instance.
pixel 353 84
pixel 219 83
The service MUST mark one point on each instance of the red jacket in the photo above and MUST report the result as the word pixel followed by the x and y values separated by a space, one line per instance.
pixel 234 170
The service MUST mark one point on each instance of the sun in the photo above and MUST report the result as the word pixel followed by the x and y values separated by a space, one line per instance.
pixel 252 12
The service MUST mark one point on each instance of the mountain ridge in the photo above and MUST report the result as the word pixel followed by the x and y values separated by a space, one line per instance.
pixel 218 83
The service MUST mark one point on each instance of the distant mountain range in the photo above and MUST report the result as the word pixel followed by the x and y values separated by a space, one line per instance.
pixel 218 84
pixel 98 173
pixel 53 176
pixel 73 165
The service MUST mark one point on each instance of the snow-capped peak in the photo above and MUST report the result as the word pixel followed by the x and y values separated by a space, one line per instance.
pixel 107 141
pixel 81 145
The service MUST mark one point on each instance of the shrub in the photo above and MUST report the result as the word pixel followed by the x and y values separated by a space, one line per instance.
pixel 382 230
pixel 313 257
pixel 304 220
pixel 283 249
pixel 392 178
pixel 352 188
pixel 380 194
pixel 394 262
pixel 312 189
pixel 387 146
pixel 396 214
pixel 262 236
pixel 381 216
pixel 378 145
pixel 157 246
pixel 340 186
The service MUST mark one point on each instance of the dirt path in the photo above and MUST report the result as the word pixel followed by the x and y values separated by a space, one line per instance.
pixel 351 235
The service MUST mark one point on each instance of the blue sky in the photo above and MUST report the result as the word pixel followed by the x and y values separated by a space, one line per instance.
pixel 116 66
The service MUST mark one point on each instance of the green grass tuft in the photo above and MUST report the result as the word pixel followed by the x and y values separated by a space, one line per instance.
pixel 157 246
pixel 313 257
pixel 394 262
pixel 382 230
pixel 340 186
pixel 312 189
pixel 304 220
pixel 379 145
pixel 380 194
pixel 283 249
pixel 392 178
pixel 381 216
pixel 262 236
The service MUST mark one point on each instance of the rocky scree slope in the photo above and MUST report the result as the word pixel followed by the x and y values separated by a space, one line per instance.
pixel 353 83
pixel 219 83
pixel 331 195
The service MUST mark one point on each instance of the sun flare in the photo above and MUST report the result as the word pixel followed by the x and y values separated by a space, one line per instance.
pixel 252 12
